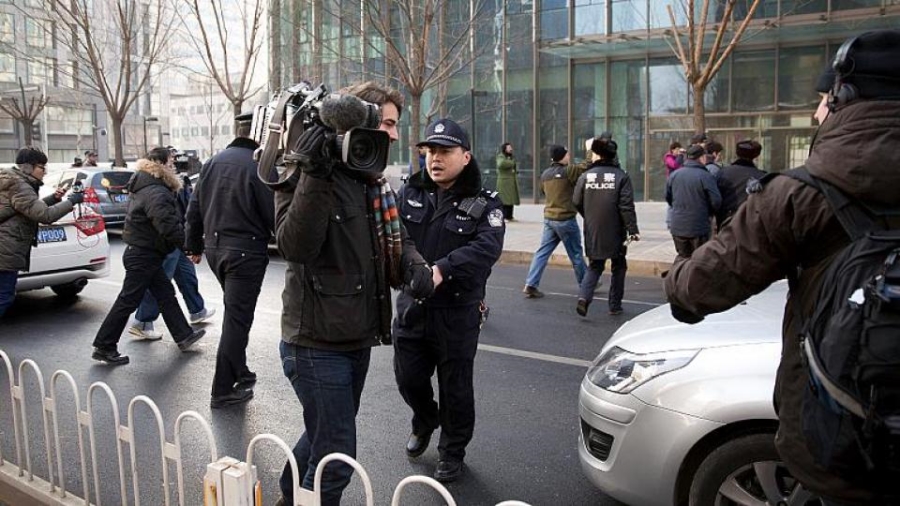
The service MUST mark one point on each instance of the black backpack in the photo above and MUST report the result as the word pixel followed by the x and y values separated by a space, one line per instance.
pixel 851 345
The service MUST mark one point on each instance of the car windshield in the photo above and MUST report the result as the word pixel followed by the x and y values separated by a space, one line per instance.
pixel 112 179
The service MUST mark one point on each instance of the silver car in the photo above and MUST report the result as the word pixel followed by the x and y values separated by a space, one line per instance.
pixel 682 414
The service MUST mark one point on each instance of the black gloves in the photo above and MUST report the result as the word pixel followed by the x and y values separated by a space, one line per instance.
pixel 418 281
pixel 76 198
pixel 685 316
pixel 313 146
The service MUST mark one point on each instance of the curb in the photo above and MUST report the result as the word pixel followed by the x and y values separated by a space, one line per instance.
pixel 650 268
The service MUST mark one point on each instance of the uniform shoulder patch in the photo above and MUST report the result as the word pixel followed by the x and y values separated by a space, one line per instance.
pixel 490 193
pixel 495 218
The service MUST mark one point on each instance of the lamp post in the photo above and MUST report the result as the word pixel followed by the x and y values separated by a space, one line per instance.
pixel 146 120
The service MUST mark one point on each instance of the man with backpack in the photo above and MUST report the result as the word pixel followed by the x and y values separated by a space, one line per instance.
pixel 837 392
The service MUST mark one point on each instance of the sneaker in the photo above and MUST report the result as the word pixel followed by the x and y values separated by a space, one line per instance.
pixel 230 399
pixel 143 331
pixel 582 307
pixel 532 292
pixel 202 315
pixel 186 343
pixel 245 381
pixel 109 357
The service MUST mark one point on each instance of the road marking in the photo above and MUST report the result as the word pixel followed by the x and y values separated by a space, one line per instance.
pixel 575 296
pixel 537 356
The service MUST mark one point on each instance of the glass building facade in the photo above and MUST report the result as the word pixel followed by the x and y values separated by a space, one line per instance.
pixel 544 72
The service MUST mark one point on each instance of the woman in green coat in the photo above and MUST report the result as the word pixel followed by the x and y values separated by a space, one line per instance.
pixel 507 184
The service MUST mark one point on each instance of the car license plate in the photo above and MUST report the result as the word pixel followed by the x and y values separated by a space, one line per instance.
pixel 51 234
pixel 119 197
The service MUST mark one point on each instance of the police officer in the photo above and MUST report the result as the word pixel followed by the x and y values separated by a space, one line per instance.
pixel 458 228
pixel 231 217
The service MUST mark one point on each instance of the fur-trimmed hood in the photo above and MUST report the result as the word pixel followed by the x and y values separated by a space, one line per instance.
pixel 468 184
pixel 149 173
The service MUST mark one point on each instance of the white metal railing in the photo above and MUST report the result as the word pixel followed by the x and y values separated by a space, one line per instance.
pixel 227 482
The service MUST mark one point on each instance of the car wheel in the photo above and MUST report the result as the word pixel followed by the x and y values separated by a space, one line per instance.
pixel 747 471
pixel 68 290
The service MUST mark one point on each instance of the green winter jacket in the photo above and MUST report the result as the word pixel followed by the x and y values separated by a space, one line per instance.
pixel 507 185
pixel 18 232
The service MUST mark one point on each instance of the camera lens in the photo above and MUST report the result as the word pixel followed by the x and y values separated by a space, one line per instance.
pixel 362 151
pixel 365 149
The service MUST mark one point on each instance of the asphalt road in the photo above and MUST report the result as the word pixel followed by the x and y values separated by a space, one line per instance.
pixel 527 374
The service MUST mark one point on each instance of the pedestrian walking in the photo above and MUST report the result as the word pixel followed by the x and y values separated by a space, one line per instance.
pixel 152 230
pixel 738 180
pixel 692 193
pixel 605 198
pixel 20 213
pixel 560 225
pixel 230 219
pixel 345 249
pixel 790 229
pixel 458 227
pixel 507 180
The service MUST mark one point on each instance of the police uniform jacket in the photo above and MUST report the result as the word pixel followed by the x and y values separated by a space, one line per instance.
pixel 605 198
pixel 152 221
pixel 230 208
pixel 462 235
pixel 787 228
pixel 335 294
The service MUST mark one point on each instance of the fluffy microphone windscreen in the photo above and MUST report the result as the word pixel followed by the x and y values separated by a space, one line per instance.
pixel 342 112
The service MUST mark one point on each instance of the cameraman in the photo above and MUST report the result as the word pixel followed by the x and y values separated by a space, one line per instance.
pixel 337 300
pixel 20 212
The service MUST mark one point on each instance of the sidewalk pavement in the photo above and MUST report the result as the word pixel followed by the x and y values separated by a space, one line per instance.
pixel 650 256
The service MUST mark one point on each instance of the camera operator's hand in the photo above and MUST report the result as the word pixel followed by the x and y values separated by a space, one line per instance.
pixel 76 198
pixel 418 280
pixel 313 145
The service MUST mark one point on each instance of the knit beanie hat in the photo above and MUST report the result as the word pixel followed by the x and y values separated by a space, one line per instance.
pixel 870 64
pixel 30 156
pixel 607 148
pixel 748 150
pixel 557 152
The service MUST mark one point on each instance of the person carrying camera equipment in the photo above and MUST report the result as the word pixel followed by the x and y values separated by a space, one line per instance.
pixel 345 247
pixel 152 230
pixel 230 219
pixel 20 212
pixel 458 227
pixel 797 226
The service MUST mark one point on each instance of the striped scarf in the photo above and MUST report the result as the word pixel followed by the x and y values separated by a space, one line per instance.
pixel 387 224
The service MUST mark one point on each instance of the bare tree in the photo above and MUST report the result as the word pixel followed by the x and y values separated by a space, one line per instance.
pixel 25 112
pixel 701 64
pixel 118 58
pixel 230 64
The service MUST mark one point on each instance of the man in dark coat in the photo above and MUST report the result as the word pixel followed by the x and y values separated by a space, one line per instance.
pixel 789 229
pixel 230 218
pixel 605 198
pixel 337 299
pixel 458 227
pixel 735 181
pixel 20 212
pixel 152 230
pixel 694 197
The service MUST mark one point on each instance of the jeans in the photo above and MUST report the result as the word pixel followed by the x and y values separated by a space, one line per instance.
pixel 178 266
pixel 329 385
pixel 556 231
pixel 8 280
pixel 143 270
pixel 619 267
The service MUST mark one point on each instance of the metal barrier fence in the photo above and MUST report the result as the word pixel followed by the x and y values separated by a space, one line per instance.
pixel 227 481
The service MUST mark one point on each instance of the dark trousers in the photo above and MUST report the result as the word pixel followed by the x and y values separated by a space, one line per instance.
pixel 329 385
pixel 8 281
pixel 619 266
pixel 240 274
pixel 143 271
pixel 685 246
pixel 508 212
pixel 445 339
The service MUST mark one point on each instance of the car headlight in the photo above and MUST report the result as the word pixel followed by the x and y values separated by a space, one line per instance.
pixel 622 371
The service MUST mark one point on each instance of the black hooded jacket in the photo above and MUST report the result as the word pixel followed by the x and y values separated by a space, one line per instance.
pixel 152 220
pixel 463 241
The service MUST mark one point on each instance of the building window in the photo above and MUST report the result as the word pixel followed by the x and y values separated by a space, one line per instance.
pixel 7 28
pixel 554 19
pixel 753 80
pixel 7 68
pixel 628 15
pixel 68 121
pixel 38 33
pixel 590 17
pixel 798 70
pixel 40 71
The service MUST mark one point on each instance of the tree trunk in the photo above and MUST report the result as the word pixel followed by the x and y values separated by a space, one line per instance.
pixel 699 108
pixel 117 142
pixel 28 126
pixel 416 128
pixel 236 111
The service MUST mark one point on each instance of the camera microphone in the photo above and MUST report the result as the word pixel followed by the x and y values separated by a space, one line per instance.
pixel 341 112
